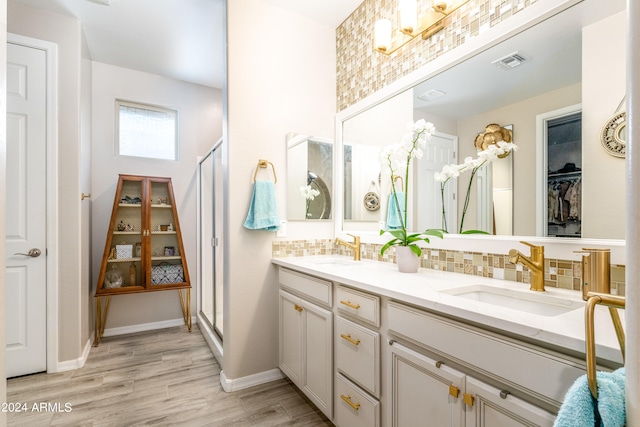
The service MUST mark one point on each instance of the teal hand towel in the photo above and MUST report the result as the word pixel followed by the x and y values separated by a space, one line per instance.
pixel 394 215
pixel 580 409
pixel 263 211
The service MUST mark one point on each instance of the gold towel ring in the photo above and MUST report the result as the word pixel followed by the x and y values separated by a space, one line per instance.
pixel 264 164
pixel 393 181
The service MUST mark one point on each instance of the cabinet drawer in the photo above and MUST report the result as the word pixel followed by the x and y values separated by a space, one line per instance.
pixel 360 305
pixel 306 286
pixel 357 353
pixel 511 363
pixel 353 407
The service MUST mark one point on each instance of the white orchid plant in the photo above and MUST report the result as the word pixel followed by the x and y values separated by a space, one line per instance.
pixel 309 194
pixel 395 158
pixel 492 153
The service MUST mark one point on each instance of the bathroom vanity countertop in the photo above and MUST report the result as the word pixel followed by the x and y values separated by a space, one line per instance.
pixel 427 289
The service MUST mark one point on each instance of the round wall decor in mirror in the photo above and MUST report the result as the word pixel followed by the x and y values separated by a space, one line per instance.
pixel 614 135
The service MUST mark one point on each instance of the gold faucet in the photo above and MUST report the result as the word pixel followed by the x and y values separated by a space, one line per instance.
pixel 355 246
pixel 535 263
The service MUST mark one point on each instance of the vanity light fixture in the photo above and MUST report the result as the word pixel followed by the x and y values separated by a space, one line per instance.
pixel 431 23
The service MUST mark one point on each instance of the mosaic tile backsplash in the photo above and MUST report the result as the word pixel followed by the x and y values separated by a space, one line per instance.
pixel 362 71
pixel 558 273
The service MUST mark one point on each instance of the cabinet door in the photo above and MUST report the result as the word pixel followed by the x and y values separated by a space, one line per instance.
pixel 122 263
pixel 290 337
pixel 167 264
pixel 491 408
pixel 423 391
pixel 318 356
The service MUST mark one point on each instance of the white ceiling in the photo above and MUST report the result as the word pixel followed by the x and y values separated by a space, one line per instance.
pixel 177 39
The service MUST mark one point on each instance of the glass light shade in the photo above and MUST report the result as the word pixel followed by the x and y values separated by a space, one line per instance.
pixel 382 40
pixel 408 15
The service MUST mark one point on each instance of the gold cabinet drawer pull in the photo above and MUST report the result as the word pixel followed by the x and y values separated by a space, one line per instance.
pixel 351 340
pixel 347 399
pixel 350 304
pixel 297 307
pixel 454 391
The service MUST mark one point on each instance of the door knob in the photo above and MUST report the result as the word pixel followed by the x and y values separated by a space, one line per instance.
pixel 33 253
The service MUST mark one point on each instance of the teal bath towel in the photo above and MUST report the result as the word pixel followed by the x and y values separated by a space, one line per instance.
pixel 394 216
pixel 263 211
pixel 579 409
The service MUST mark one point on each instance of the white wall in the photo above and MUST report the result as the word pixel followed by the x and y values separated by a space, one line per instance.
pixel 200 126
pixel 281 78
pixel 603 75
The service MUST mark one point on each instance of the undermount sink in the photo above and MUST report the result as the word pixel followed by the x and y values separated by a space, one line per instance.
pixel 528 301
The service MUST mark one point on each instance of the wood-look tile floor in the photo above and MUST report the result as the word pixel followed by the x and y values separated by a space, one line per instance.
pixel 166 377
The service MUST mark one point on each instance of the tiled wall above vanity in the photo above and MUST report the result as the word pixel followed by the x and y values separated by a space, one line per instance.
pixel 362 71
pixel 557 272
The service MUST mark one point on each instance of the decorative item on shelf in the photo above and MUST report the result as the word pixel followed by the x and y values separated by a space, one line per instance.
pixel 124 251
pixel 131 200
pixel 132 274
pixel 170 227
pixel 113 278
pixel 396 156
pixel 496 148
pixel 431 23
pixel 169 251
pixel 121 226
pixel 164 227
pixel 165 273
pixel 138 249
pixel 162 200
pixel 128 228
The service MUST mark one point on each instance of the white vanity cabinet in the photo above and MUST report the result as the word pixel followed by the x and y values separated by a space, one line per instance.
pixel 357 358
pixel 305 336
pixel 423 389
pixel 486 406
pixel 527 371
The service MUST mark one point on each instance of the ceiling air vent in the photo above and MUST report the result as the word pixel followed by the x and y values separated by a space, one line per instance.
pixel 510 61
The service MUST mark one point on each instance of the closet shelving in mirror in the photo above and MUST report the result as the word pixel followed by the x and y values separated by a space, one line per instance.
pixel 143 249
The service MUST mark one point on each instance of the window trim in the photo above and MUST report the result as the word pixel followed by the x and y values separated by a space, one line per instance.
pixel 150 107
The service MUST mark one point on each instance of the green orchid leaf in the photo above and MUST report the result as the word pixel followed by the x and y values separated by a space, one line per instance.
pixel 474 232
pixel 390 243
pixel 436 232
pixel 416 250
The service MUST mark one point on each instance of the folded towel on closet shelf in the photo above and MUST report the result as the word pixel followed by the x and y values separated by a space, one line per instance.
pixel 394 215
pixel 581 409
pixel 263 211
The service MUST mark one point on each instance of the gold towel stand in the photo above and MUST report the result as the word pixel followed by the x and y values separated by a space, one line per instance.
pixel 614 302
pixel 263 164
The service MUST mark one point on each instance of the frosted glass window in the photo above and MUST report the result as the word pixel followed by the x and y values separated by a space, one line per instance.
pixel 147 131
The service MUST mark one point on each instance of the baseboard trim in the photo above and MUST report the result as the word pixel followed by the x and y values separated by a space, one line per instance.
pixel 70 365
pixel 230 385
pixel 143 327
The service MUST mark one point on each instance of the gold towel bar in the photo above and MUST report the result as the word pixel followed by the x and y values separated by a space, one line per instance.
pixel 614 303
pixel 263 164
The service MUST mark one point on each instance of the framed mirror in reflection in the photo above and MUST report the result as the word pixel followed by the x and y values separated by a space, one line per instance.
pixel 557 69
pixel 309 177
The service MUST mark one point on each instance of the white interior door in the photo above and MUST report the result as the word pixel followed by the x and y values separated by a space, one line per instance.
pixel 441 150
pixel 26 286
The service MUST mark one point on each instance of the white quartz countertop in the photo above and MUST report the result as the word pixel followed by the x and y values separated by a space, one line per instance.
pixel 428 289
